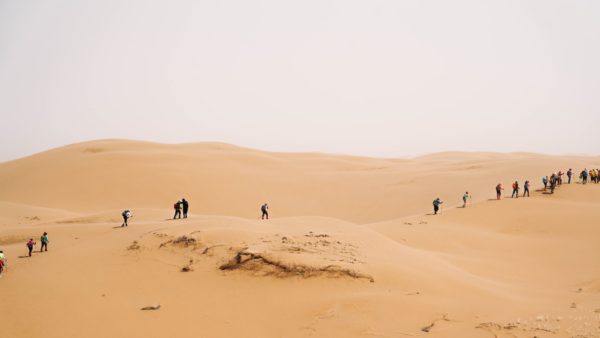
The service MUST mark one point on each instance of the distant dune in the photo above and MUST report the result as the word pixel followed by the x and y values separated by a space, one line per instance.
pixel 221 179
pixel 351 249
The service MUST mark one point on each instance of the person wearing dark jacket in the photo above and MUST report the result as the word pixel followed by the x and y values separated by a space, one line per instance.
pixel 177 207
pixel 436 205
pixel 185 206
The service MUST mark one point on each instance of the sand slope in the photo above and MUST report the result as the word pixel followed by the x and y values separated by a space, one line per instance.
pixel 221 179
pixel 351 251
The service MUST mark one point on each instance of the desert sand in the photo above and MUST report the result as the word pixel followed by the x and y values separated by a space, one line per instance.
pixel 351 249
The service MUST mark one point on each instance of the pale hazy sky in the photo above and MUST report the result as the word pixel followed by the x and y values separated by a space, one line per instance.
pixel 380 78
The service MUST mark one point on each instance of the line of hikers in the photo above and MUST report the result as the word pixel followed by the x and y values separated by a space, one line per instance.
pixel 593 174
pixel 182 207
pixel 551 182
pixel 44 240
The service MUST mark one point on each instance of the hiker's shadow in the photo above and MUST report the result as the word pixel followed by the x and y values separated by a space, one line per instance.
pixel 24 256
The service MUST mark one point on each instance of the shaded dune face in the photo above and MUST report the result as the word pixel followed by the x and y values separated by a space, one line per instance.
pixel 351 249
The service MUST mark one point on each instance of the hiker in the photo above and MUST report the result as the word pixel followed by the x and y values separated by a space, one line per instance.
pixel 30 244
pixel 569 174
pixel 515 187
pixel 545 181
pixel 584 176
pixel 177 207
pixel 559 178
pixel 465 197
pixel 126 216
pixel 265 211
pixel 186 207
pixel 436 205
pixel 44 240
pixel 2 262
pixel 552 183
pixel 593 175
pixel 499 191
pixel 526 188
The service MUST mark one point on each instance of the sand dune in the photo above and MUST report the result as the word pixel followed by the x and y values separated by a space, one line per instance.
pixel 351 250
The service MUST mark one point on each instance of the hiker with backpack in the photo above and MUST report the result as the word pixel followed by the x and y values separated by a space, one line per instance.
pixel 44 240
pixel 569 174
pixel 126 216
pixel 177 207
pixel 265 211
pixel 30 244
pixel 499 191
pixel 515 191
pixel 185 206
pixel 552 183
pixel 436 205
pixel 584 176
pixel 526 188
pixel 559 177
pixel 464 198
pixel 545 181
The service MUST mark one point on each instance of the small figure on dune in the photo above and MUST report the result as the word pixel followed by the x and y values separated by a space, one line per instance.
pixel 177 207
pixel 515 191
pixel 2 262
pixel 44 240
pixel 464 198
pixel 569 174
pixel 30 244
pixel 584 176
pixel 186 206
pixel 526 188
pixel 436 205
pixel 552 183
pixel 545 181
pixel 265 211
pixel 126 216
pixel 559 177
pixel 499 191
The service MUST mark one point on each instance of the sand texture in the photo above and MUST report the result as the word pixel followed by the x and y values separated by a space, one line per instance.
pixel 351 249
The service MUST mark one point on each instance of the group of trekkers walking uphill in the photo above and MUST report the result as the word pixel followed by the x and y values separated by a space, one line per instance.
pixel 44 241
pixel 182 206
pixel 593 174
pixel 551 182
